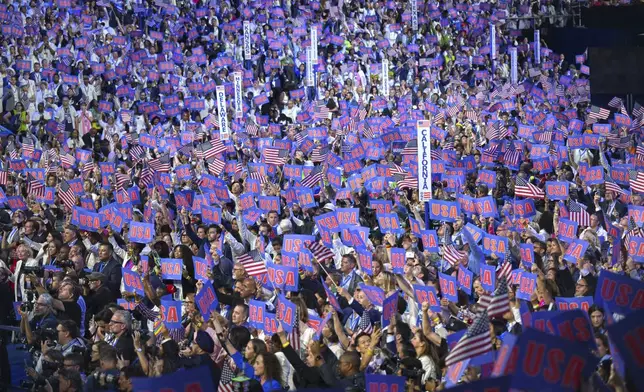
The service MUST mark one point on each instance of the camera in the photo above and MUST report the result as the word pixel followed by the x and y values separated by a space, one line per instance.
pixel 105 380
pixel 36 270
pixel 65 264
pixel 27 306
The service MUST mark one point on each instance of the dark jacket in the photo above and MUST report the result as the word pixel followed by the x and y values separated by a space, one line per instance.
pixel 305 376
pixel 96 301
pixel 112 270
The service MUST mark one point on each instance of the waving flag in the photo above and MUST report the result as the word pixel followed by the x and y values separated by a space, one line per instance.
pixel 253 263
pixel 35 187
pixel 314 177
pixel 320 252
pixel 452 255
pixel 475 342
pixel 636 181
pixel 499 302
pixel 66 194
pixel 523 188
pixel 275 156
pixel 597 113
pixel 578 213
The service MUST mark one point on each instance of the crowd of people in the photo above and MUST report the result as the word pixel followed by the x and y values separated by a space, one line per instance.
pixel 228 191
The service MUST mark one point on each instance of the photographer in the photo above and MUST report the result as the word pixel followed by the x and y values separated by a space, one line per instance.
pixel 412 369
pixel 65 341
pixel 67 302
pixel 106 376
pixel 48 366
pixel 68 295
pixel 68 337
pixel 42 317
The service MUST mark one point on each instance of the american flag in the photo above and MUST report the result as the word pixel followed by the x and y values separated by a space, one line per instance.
pixel 471 115
pixel 314 177
pixel 227 374
pixel 275 156
pixel 597 113
pixel 639 152
pixel 28 148
pixel 611 185
pixel 321 112
pixel 205 151
pixel 511 157
pixel 136 153
pixel 362 113
pixel 638 110
pixel 505 269
pixel 219 146
pixel 578 213
pixel 253 263
pixel 3 177
pixel 616 102
pixel 67 160
pixel 636 181
pixel 161 164
pixel 320 153
pixel 408 182
pixel 320 252
pixel 475 342
pixel 66 194
pixel 211 121
pixel 147 176
pixel 395 169
pixel 411 148
pixel 13 152
pixel 88 168
pixel 452 111
pixel 52 155
pixel 453 255
pixel 258 176
pixel 294 335
pixel 35 187
pixel 122 180
pixel 368 132
pixel 523 188
pixel 216 166
pixel 499 303
pixel 438 117
pixel 633 231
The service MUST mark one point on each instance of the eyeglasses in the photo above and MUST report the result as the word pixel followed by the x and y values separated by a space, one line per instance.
pixel 116 322
pixel 581 285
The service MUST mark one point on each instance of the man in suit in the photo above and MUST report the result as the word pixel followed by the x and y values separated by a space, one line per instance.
pixel 350 279
pixel 91 138
pixel 108 266
pixel 610 207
